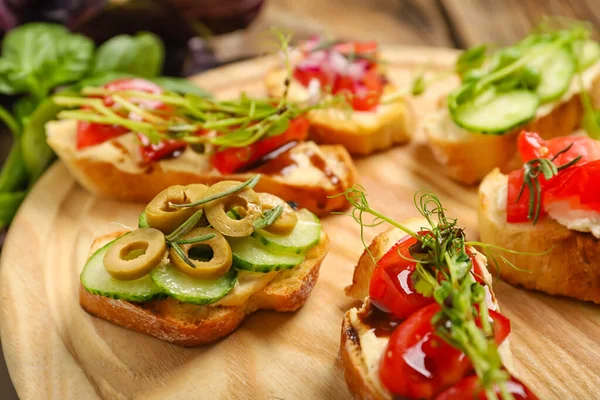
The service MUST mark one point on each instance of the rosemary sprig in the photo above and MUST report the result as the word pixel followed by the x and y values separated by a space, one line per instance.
pixel 532 171
pixel 250 183
pixel 444 265
pixel 268 217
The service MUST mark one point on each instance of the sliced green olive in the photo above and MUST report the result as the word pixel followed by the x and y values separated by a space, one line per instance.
pixel 134 255
pixel 213 265
pixel 286 223
pixel 162 216
pixel 216 211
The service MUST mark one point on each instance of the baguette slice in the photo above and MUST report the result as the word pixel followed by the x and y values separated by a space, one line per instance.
pixel 571 268
pixel 360 132
pixel 114 170
pixel 360 349
pixel 192 325
pixel 468 157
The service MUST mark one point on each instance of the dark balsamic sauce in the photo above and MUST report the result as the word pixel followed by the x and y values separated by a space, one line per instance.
pixel 382 323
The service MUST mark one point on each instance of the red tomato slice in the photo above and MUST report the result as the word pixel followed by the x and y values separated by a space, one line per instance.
pixel 91 134
pixel 235 158
pixel 418 364
pixel 392 283
pixel 364 94
pixel 305 74
pixel 579 184
pixel 532 146
pixel 154 152
pixel 469 388
pixel 356 47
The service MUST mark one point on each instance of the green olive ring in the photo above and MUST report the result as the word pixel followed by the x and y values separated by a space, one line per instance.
pixel 218 265
pixel 216 210
pixel 134 255
pixel 286 222
pixel 162 216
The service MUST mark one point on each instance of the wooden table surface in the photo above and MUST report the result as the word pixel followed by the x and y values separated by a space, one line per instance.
pixel 444 23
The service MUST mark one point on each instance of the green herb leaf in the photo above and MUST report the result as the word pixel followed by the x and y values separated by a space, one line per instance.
pixel 37 57
pixel 278 127
pixel 423 287
pixel 181 86
pixel 470 59
pixel 142 55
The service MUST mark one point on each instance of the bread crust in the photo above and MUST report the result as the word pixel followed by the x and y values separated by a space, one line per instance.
pixel 469 160
pixel 394 125
pixel 571 268
pixel 191 325
pixel 354 371
pixel 106 180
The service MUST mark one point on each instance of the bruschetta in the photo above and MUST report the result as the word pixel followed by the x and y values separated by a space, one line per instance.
pixel 129 140
pixel 550 207
pixel 201 260
pixel 536 84
pixel 352 69
pixel 419 333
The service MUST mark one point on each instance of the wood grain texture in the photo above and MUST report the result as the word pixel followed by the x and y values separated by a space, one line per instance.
pixel 55 350
pixel 505 21
pixel 414 22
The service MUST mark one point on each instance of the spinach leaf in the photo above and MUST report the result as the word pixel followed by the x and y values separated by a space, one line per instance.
pixel 142 55
pixel 37 57
pixel 181 85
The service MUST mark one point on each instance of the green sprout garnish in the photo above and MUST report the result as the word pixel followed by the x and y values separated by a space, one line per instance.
pixel 443 268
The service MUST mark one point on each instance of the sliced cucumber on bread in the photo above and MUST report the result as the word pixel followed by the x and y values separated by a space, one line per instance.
pixel 305 235
pixel 192 290
pixel 250 254
pixel 96 280
pixel 497 113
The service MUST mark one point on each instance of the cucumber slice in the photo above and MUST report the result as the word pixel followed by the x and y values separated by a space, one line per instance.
pixel 251 255
pixel 96 280
pixel 556 71
pixel 191 290
pixel 497 114
pixel 587 52
pixel 143 221
pixel 305 235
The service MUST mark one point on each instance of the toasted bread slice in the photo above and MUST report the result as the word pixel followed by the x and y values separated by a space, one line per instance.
pixel 361 349
pixel 360 132
pixel 571 266
pixel 468 157
pixel 114 170
pixel 192 325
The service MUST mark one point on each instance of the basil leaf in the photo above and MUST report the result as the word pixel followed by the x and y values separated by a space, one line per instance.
pixel 37 57
pixel 24 107
pixel 470 59
pixel 142 55
pixel 181 86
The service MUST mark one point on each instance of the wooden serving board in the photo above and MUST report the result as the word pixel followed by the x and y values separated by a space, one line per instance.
pixel 55 350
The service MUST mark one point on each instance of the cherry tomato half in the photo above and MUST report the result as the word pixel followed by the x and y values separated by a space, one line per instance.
pixel 233 159
pixel 469 388
pixel 392 283
pixel 579 185
pixel 532 146
pixel 363 94
pixel 418 364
